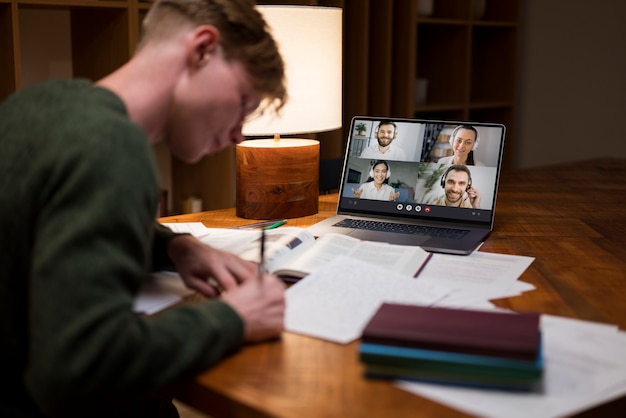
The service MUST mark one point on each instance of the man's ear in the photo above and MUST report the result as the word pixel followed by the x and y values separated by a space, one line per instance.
pixel 205 42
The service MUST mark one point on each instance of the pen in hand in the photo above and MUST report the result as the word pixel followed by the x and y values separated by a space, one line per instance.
pixel 262 258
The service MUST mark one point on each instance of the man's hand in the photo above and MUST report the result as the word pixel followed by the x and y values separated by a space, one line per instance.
pixel 208 270
pixel 357 193
pixel 474 197
pixel 259 300
pixel 261 304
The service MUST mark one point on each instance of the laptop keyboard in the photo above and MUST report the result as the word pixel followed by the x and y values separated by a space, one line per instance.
pixel 431 231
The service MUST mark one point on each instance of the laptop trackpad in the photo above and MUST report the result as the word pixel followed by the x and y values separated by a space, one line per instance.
pixel 402 239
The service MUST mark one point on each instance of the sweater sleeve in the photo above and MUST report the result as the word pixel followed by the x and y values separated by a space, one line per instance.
pixel 160 258
pixel 91 252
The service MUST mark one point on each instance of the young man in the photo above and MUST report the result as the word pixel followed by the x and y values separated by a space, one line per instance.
pixel 78 198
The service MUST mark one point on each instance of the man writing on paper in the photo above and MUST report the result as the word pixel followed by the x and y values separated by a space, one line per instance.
pixel 78 197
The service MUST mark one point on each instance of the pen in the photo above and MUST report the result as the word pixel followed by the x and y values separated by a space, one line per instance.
pixel 277 224
pixel 426 260
pixel 262 258
pixel 260 224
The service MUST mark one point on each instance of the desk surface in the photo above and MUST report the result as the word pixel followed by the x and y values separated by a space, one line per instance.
pixel 570 217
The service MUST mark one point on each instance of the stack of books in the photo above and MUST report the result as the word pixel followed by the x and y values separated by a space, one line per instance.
pixel 487 349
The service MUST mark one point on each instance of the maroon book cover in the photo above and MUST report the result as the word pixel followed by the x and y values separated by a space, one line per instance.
pixel 512 335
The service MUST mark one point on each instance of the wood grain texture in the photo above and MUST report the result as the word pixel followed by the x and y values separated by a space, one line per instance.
pixel 277 182
pixel 570 217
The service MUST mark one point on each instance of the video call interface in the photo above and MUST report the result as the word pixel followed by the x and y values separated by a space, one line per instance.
pixel 423 169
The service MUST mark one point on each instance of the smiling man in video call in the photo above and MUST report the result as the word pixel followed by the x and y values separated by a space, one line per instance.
pixel 386 132
pixel 458 189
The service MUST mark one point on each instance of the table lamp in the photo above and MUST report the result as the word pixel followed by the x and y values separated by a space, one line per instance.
pixel 279 177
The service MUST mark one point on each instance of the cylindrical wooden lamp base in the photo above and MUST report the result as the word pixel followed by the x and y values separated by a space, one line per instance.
pixel 277 179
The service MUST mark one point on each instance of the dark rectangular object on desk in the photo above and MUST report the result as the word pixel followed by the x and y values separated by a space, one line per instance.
pixel 511 335
pixel 515 383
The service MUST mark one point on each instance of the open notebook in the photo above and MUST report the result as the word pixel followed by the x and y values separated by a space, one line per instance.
pixel 424 199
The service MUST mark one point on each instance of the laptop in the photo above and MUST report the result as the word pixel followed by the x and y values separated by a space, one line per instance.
pixel 413 193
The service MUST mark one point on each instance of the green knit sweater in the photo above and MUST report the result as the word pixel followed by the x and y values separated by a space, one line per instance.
pixel 78 198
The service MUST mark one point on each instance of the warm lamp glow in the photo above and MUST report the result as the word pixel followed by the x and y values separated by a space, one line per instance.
pixel 279 178
pixel 310 42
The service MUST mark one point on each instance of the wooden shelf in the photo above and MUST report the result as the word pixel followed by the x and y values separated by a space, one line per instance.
pixel 484 23
pixel 491 105
pixel 468 57
pixel 441 22
pixel 439 108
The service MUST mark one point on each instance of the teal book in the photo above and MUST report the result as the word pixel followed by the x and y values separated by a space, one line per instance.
pixel 435 360
pixel 506 383
pixel 450 368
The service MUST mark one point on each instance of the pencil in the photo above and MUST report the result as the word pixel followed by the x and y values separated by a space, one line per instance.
pixel 259 224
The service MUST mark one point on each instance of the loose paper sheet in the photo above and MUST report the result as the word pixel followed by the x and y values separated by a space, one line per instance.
pixel 336 302
pixel 585 366
pixel 162 290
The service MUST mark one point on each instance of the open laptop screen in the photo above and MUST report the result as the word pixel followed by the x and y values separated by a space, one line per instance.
pixel 422 169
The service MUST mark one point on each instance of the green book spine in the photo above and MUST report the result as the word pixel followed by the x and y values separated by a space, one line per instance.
pixel 509 383
pixel 432 360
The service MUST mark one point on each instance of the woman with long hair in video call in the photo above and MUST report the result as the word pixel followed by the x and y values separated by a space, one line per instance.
pixel 377 187
pixel 463 140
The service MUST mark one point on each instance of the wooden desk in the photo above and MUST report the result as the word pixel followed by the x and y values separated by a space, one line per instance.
pixel 571 217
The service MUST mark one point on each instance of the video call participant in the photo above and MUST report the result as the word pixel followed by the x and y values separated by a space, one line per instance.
pixel 464 140
pixel 458 189
pixel 386 132
pixel 376 187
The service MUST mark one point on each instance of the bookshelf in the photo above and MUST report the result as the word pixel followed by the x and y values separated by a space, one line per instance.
pixel 464 50
pixel 467 52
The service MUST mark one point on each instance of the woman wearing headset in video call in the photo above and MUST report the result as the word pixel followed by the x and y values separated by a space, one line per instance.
pixel 376 186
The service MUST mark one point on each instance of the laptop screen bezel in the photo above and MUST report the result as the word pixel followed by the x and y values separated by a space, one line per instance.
pixel 349 205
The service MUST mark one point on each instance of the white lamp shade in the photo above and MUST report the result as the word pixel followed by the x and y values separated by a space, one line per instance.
pixel 310 42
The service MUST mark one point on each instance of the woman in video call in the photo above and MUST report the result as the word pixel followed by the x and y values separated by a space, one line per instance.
pixel 376 187
pixel 464 140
